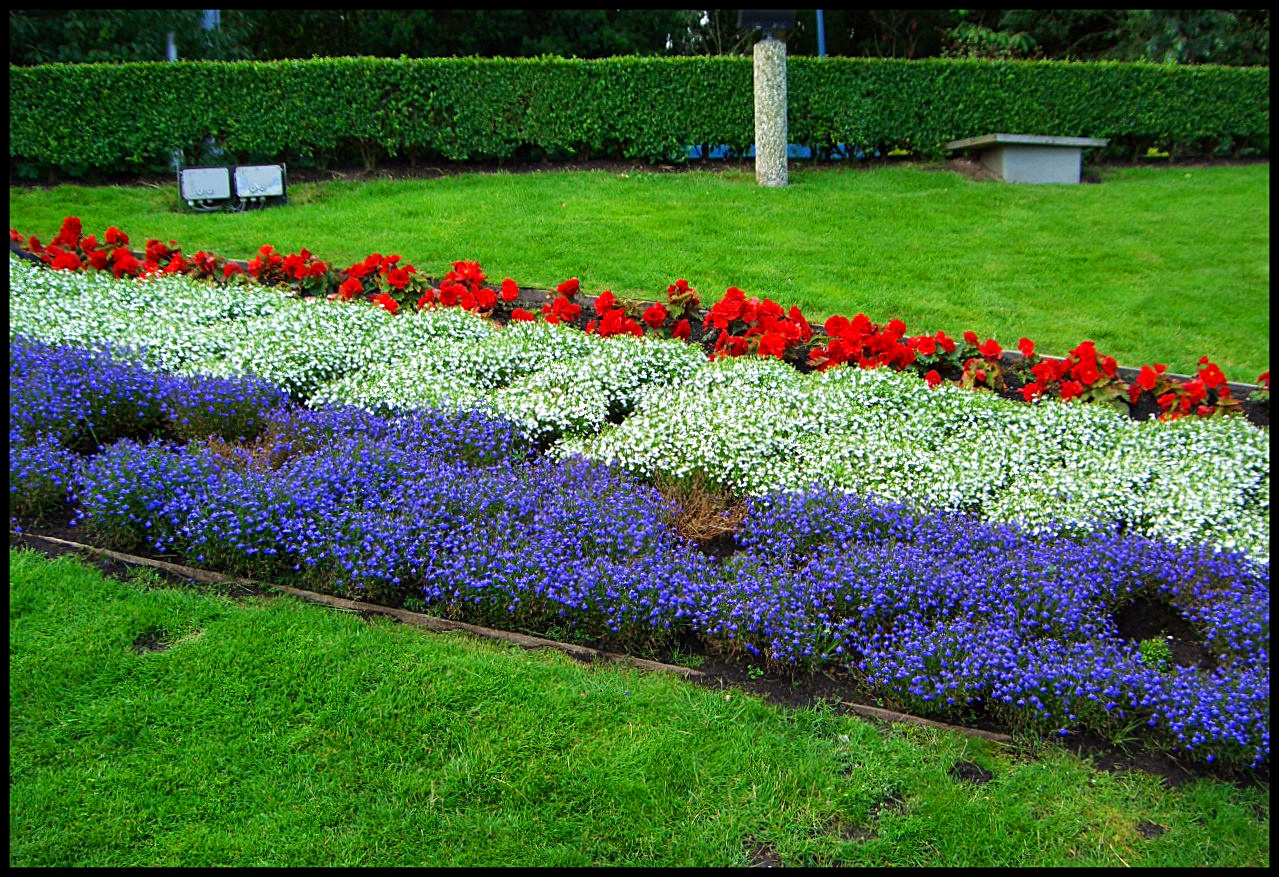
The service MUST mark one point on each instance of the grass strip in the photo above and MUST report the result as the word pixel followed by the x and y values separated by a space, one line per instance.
pixel 1153 264
pixel 154 725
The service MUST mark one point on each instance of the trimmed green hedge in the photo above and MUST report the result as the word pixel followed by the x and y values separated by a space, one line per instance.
pixel 80 118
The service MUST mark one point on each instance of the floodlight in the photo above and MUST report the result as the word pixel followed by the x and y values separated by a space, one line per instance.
pixel 205 188
pixel 256 183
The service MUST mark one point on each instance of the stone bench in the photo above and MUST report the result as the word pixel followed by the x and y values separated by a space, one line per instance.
pixel 1028 158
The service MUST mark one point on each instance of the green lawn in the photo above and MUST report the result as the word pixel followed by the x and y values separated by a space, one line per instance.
pixel 1154 264
pixel 269 731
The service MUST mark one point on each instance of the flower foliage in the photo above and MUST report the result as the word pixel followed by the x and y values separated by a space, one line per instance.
pixel 948 547
pixel 300 271
pixel 883 539
pixel 750 325
pixel 739 325
pixel 868 345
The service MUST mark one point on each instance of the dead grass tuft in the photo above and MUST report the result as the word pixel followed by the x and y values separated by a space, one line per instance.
pixel 704 510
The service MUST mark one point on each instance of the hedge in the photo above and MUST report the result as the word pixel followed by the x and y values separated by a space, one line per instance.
pixel 89 118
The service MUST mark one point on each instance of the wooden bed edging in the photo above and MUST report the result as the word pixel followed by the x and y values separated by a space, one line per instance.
pixel 444 625
pixel 440 625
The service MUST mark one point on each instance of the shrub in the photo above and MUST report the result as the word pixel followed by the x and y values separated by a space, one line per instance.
pixel 40 480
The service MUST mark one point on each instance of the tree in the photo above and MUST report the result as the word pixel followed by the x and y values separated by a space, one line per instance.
pixel 1237 37
pixel 1182 36
pixel 434 33
pixel 1233 37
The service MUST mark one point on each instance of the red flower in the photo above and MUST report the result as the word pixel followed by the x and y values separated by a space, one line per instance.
pixel 729 345
pixel 1212 375
pixel 295 264
pixel 991 349
pixel 680 293
pixel 1196 390
pixel 772 344
pixel 971 337
pixel 1146 378
pixel 397 278
pixel 1031 392
pixel 467 273
pixel 1086 372
pixel 427 298
pixel 510 291
pixel 1026 347
pixel 569 287
pixel 604 301
pixel 836 326
pixel 122 262
pixel 731 307
pixel 69 235
pixel 561 309
pixel 64 261
pixel 615 322
pixel 932 378
pixel 946 343
pixel 386 301
pixel 797 317
pixel 1087 350
pixel 1071 389
pixel 350 288
pixel 682 330
pixel 451 293
pixel 1049 371
pixel 925 344
pixel 519 315
pixel 116 238
pixel 654 315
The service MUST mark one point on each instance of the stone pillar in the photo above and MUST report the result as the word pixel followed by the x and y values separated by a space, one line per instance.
pixel 770 112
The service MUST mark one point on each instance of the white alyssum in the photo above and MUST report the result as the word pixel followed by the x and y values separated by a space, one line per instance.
pixel 652 406
pixel 167 321
pixel 757 427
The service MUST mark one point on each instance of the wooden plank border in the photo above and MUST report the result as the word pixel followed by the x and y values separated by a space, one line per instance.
pixel 445 625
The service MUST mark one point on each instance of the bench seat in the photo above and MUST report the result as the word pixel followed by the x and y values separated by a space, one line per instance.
pixel 1028 158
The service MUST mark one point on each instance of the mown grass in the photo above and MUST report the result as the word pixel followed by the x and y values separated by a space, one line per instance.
pixel 1155 264
pixel 268 731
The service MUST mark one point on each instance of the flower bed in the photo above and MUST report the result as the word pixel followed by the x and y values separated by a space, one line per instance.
pixel 948 548
pixel 734 326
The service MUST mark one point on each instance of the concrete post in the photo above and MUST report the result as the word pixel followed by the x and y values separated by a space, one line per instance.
pixel 770 112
